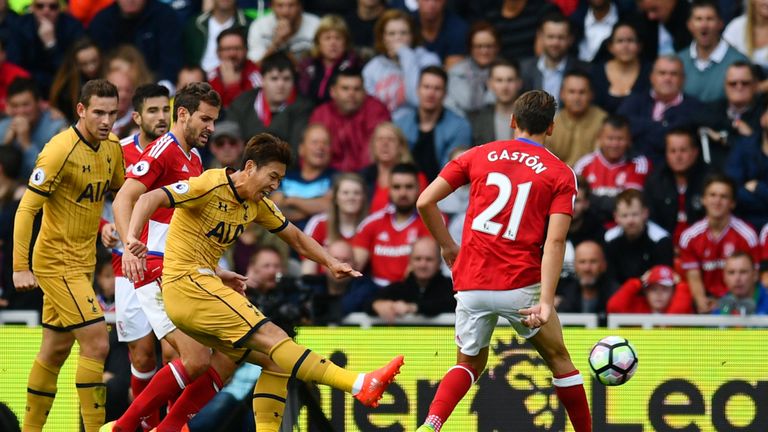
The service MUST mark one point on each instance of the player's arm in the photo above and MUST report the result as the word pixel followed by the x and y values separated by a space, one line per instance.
pixel 124 202
pixel 551 266
pixel 144 208
pixel 307 246
pixel 433 218
pixel 30 205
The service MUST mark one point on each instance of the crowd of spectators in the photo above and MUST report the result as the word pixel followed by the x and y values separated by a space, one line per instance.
pixel 662 115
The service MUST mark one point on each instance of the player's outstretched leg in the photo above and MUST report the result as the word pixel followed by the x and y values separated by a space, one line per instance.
pixel 309 366
pixel 567 380
pixel 453 387
pixel 198 393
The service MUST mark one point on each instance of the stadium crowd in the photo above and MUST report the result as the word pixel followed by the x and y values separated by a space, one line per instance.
pixel 662 115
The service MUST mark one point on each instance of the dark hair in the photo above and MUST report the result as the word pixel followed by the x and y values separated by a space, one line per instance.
pixel 502 62
pixel 712 4
pixel 556 18
pixel 746 64
pixel 192 67
pixel 478 27
pixel 278 61
pixel 2 44
pixel 146 91
pixel 616 121
pixel 264 148
pixel 10 161
pixel 621 24
pixel 405 168
pixel 578 74
pixel 720 178
pixel 683 131
pixel 190 97
pixel 98 88
pixel 627 196
pixel 534 111
pixel 22 85
pixel 349 72
pixel 238 31
pixel 434 70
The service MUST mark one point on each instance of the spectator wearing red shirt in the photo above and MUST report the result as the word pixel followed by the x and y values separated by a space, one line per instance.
pixel 235 73
pixel 609 170
pixel 351 116
pixel 8 73
pixel 707 243
pixel 659 290
pixel 385 238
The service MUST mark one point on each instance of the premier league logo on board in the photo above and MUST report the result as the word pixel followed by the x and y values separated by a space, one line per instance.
pixel 519 383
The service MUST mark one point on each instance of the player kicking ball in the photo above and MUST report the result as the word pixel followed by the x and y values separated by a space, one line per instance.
pixel 211 211
pixel 521 198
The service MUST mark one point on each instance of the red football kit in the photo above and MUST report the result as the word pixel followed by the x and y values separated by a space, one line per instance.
pixel 131 155
pixel 163 162
pixel 514 187
pixel 700 250
pixel 389 243
pixel 609 179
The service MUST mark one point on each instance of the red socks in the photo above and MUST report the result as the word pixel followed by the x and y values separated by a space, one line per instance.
pixel 192 400
pixel 570 391
pixel 140 380
pixel 455 384
pixel 167 382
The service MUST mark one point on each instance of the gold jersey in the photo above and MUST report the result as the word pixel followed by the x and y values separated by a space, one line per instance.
pixel 209 217
pixel 69 182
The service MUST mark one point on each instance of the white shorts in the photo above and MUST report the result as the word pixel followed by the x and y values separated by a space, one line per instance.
pixel 151 299
pixel 132 323
pixel 478 311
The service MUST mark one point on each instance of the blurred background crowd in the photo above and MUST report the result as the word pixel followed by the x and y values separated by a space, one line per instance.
pixel 662 115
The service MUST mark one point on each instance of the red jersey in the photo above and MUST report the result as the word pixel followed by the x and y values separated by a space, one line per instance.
pixel 131 154
pixel 700 250
pixel 763 246
pixel 389 243
pixel 163 162
pixel 609 179
pixel 514 187
pixel 250 77
pixel 317 228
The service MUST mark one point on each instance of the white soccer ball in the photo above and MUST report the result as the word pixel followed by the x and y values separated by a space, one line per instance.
pixel 613 360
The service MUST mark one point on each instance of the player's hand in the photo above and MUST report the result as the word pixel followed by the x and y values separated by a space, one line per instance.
pixel 536 316
pixel 133 266
pixel 108 237
pixel 233 280
pixel 136 247
pixel 341 270
pixel 450 254
pixel 24 280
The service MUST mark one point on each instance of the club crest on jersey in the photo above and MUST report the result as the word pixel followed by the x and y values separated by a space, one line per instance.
pixel 38 177
pixel 180 187
pixel 141 168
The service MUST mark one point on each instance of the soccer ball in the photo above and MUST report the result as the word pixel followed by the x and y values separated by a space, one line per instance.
pixel 613 360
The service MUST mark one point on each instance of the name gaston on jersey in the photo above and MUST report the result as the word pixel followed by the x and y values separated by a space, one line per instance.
pixel 531 161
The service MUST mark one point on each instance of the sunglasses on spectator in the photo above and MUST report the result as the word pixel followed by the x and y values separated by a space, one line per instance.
pixel 739 83
pixel 50 6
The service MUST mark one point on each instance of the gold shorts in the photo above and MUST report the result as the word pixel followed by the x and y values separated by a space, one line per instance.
pixel 69 302
pixel 212 313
